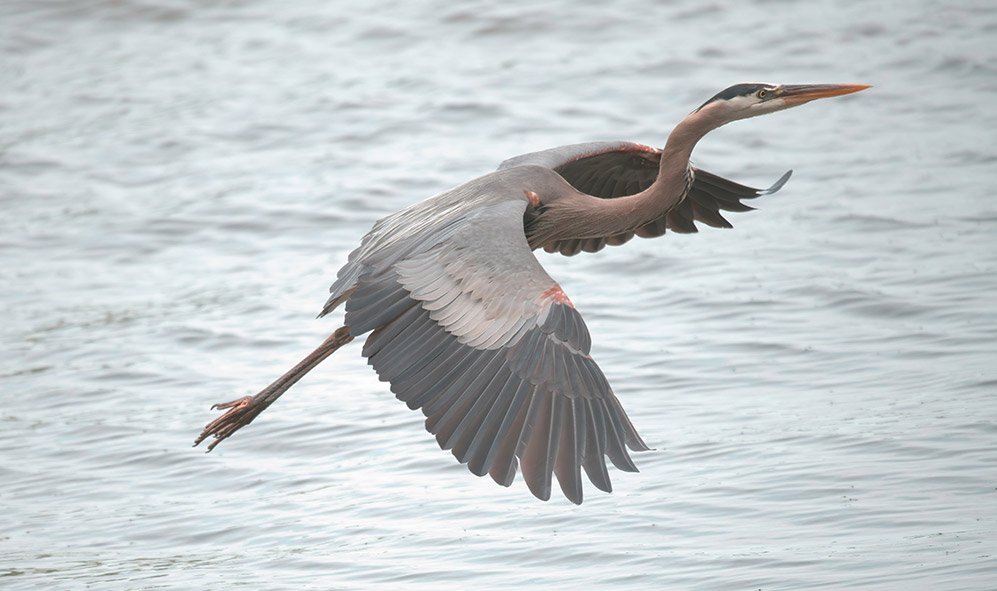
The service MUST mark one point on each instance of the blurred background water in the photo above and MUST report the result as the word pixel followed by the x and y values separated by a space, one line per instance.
pixel 181 180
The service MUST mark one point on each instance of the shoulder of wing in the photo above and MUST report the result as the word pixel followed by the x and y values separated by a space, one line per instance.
pixel 555 157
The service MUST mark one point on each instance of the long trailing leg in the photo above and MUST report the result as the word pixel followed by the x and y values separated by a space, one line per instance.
pixel 241 412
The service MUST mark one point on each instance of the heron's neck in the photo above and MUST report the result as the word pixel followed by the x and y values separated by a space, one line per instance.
pixel 684 138
pixel 672 182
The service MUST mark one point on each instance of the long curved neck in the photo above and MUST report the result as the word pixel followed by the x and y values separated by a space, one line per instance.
pixel 625 214
pixel 684 138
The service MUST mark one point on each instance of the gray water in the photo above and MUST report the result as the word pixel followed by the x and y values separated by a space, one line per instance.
pixel 181 180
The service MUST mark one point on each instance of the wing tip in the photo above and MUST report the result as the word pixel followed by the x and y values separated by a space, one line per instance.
pixel 778 184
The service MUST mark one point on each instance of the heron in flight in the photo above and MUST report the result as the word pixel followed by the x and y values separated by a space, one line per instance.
pixel 468 327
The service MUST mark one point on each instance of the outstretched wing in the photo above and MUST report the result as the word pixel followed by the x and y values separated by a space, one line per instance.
pixel 614 169
pixel 468 327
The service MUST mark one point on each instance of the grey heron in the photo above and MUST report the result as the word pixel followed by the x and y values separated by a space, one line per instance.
pixel 467 326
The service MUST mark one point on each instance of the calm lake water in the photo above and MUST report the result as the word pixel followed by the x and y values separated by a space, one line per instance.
pixel 181 180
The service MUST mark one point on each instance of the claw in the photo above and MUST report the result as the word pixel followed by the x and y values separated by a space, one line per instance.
pixel 223 405
pixel 241 412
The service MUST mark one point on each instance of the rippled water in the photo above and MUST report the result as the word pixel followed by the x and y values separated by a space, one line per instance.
pixel 181 182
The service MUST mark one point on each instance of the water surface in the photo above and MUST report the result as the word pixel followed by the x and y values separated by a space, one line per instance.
pixel 180 183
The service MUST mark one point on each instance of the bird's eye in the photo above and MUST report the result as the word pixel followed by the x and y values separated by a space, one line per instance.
pixel 763 93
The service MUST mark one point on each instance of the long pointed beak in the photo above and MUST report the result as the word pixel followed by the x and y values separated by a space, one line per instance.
pixel 797 94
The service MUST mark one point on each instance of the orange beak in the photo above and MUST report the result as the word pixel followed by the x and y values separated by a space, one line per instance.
pixel 797 94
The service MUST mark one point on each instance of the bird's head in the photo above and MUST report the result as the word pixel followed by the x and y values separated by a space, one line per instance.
pixel 758 98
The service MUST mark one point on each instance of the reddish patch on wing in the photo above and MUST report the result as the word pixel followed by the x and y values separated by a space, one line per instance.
pixel 533 197
pixel 556 295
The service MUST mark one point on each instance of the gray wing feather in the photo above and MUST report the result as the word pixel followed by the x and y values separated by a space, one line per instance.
pixel 474 401
pixel 469 328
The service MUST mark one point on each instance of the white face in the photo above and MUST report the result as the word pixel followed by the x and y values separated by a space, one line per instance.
pixel 760 102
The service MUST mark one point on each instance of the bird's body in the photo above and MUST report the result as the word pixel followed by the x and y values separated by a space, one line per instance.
pixel 468 327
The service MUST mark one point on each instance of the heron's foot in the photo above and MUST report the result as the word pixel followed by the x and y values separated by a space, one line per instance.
pixel 240 413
